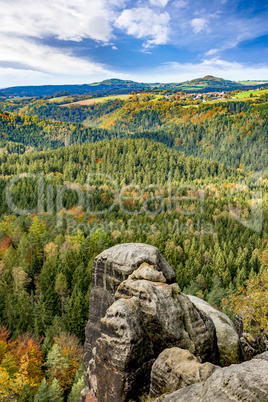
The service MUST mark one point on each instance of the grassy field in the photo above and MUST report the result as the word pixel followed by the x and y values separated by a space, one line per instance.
pixel 18 99
pixel 59 99
pixel 97 100
pixel 252 82
pixel 246 94
pixel 192 88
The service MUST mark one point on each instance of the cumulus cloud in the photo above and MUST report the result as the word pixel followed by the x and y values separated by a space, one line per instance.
pixel 199 24
pixel 146 24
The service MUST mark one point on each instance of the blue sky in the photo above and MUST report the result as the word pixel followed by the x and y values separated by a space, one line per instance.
pixel 82 41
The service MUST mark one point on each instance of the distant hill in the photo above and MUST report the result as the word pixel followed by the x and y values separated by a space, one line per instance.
pixel 213 82
pixel 112 86
pixel 208 84
pixel 117 86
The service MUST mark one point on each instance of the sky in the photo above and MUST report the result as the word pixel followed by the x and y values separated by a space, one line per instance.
pixel 85 41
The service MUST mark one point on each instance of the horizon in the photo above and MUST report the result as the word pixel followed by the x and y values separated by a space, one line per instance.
pixel 111 79
pixel 153 41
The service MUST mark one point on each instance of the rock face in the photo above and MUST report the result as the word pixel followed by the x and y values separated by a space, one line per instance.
pixel 146 318
pixel 250 345
pixel 239 382
pixel 137 311
pixel 111 268
pixel 177 368
pixel 227 337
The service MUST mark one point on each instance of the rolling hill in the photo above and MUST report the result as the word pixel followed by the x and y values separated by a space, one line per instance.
pixel 117 86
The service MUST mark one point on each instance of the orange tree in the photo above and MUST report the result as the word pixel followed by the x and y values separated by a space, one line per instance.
pixel 20 366
pixel 63 360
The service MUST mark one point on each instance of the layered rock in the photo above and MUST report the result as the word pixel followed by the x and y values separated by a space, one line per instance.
pixel 247 381
pixel 111 268
pixel 145 314
pixel 177 368
pixel 147 318
pixel 227 338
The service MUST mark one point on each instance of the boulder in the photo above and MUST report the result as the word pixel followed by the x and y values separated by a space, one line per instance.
pixel 227 337
pixel 112 267
pixel 148 272
pixel 263 356
pixel 171 318
pixel 247 381
pixel 177 368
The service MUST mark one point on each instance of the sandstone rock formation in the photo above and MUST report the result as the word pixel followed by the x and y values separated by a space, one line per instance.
pixel 111 268
pixel 247 381
pixel 227 337
pixel 137 311
pixel 177 368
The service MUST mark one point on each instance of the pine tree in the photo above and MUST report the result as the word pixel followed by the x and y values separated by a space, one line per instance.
pixel 56 363
pixel 55 391
pixel 75 393
pixel 61 287
pixel 43 393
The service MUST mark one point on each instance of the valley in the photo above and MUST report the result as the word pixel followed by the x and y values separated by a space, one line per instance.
pixel 79 173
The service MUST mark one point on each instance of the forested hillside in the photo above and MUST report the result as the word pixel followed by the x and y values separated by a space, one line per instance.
pixel 21 132
pixel 191 181
pixel 233 133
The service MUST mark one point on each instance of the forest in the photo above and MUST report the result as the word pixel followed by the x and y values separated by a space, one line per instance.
pixel 76 180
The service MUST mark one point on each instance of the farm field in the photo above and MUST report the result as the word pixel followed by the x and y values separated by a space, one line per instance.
pixel 97 100
pixel 59 99
pixel 18 99
pixel 246 94
pixel 253 82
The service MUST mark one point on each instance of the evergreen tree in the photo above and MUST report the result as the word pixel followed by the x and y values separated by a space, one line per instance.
pixel 55 391
pixel 43 393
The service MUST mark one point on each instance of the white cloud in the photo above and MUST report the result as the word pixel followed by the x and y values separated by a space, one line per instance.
pixel 64 19
pixel 43 58
pixel 199 24
pixel 180 3
pixel 145 23
pixel 36 63
pixel 211 52
pixel 159 3
pixel 26 28
pixel 178 72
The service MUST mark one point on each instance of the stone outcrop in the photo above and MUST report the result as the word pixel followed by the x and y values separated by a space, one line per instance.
pixel 146 318
pixel 247 381
pixel 111 268
pixel 227 338
pixel 136 312
pixel 177 368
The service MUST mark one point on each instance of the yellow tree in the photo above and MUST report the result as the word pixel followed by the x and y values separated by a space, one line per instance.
pixel 251 300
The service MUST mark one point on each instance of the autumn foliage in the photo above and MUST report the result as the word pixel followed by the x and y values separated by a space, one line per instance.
pixel 20 366
pixel 251 300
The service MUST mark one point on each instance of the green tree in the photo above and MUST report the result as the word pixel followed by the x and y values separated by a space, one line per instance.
pixel 61 287
pixel 43 393
pixel 55 391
